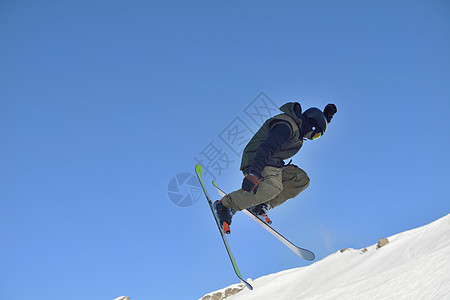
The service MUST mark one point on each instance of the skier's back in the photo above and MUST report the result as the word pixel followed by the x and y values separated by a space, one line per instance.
pixel 268 181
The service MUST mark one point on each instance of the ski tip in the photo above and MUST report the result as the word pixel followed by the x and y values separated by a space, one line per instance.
pixel 214 183
pixel 199 169
pixel 248 285
pixel 308 255
pixel 303 253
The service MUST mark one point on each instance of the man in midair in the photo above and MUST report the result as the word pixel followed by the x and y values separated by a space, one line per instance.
pixel 268 182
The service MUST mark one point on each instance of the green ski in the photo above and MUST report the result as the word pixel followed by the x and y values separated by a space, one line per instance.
pixel 199 172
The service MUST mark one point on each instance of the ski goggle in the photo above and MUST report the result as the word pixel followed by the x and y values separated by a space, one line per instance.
pixel 314 134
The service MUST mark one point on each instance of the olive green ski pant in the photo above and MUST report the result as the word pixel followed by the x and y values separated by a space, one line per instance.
pixel 276 187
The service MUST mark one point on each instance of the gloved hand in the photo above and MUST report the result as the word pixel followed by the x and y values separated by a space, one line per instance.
pixel 250 183
pixel 329 111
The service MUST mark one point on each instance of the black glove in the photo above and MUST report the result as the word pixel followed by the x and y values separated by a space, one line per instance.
pixel 250 183
pixel 329 111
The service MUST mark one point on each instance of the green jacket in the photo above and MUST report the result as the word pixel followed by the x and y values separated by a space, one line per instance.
pixel 288 149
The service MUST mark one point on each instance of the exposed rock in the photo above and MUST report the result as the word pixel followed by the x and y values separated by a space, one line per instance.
pixel 364 250
pixel 215 296
pixel 233 291
pixel 382 242
pixel 223 295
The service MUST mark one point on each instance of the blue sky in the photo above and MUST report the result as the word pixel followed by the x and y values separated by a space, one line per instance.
pixel 102 103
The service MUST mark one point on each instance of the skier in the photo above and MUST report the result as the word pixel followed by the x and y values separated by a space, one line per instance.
pixel 268 182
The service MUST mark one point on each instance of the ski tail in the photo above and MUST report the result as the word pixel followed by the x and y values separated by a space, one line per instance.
pixel 303 253
pixel 199 172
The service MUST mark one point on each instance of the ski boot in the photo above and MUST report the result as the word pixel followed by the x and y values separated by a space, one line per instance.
pixel 224 214
pixel 261 211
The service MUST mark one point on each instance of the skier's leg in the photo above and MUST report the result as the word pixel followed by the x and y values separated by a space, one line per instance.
pixel 294 180
pixel 269 187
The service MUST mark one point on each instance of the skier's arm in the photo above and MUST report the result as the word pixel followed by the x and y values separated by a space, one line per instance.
pixel 278 135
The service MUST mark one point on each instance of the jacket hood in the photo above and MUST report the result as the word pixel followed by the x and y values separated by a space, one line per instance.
pixel 293 110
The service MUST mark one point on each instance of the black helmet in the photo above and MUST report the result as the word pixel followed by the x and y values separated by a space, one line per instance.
pixel 319 121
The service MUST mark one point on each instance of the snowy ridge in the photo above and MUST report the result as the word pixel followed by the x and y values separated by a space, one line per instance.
pixel 415 264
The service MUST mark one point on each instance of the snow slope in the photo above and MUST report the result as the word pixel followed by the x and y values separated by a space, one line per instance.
pixel 415 264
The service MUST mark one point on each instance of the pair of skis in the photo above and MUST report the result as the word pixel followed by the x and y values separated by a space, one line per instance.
pixel 303 253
